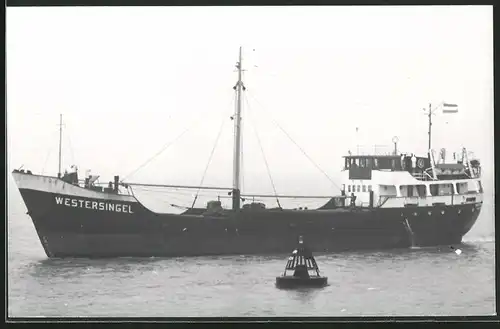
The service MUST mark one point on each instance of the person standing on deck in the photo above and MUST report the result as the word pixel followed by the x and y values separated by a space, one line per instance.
pixel 413 163
pixel 353 200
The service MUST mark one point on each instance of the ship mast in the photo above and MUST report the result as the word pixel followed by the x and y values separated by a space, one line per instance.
pixel 430 125
pixel 239 87
pixel 60 145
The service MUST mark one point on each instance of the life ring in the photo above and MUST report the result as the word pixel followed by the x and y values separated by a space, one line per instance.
pixel 420 163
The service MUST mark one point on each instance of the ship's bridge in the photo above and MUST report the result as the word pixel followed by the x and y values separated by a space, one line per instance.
pixel 361 166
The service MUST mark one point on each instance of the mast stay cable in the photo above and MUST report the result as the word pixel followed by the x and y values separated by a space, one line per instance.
pixel 298 146
pixel 50 149
pixel 166 146
pixel 263 154
pixel 46 159
pixel 210 158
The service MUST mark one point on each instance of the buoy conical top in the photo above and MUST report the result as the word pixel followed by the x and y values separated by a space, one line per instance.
pixel 301 261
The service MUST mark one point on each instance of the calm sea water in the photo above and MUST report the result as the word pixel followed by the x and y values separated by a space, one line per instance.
pixel 428 281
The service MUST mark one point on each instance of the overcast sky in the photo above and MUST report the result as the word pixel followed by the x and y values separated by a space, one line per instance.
pixel 130 80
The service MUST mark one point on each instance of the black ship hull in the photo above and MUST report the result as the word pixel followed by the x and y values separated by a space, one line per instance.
pixel 90 224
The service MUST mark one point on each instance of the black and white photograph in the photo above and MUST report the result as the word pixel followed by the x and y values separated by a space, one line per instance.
pixel 234 161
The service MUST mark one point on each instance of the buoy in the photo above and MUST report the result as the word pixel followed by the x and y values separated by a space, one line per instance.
pixel 301 262
pixel 457 251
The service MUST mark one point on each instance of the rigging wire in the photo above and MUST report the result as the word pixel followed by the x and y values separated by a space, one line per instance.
pixel 182 197
pixel 298 146
pixel 172 190
pixel 242 164
pixel 50 149
pixel 165 201
pixel 263 154
pixel 46 159
pixel 210 158
pixel 165 147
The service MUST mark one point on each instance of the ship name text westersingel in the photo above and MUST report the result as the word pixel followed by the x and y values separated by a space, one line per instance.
pixel 95 205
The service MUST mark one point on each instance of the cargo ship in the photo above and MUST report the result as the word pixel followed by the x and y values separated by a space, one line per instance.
pixel 384 201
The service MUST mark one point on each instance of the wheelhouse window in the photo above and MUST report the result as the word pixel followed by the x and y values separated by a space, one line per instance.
pixel 348 188
pixel 359 188
pixel 384 164
pixel 364 188
pixel 369 188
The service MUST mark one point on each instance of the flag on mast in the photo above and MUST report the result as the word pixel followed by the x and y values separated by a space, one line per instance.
pixel 450 108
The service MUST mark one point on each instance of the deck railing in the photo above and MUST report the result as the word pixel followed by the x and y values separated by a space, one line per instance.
pixel 422 176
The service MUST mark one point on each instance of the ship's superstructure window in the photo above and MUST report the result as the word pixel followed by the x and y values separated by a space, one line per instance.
pixel 359 188
pixel 421 190
pixel 348 188
pixel 441 189
pixel 446 189
pixel 434 189
pixel 412 190
pixel 369 188
pixel 388 190
pixel 462 188
pixel 364 188
pixel 385 163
